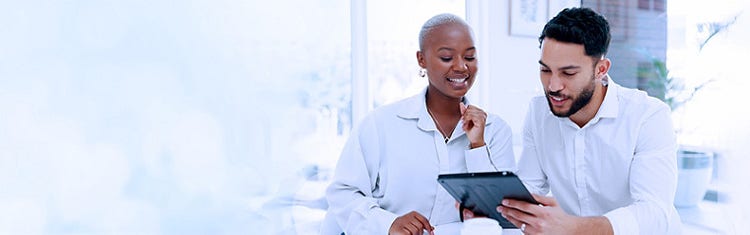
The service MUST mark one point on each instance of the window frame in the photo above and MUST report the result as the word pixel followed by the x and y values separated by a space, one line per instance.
pixel 477 15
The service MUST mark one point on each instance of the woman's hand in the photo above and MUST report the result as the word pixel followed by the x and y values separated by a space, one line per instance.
pixel 474 120
pixel 468 214
pixel 411 223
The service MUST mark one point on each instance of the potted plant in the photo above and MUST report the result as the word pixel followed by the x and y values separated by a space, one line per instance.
pixel 695 163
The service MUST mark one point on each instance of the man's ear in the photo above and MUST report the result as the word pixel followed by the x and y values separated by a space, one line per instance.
pixel 420 59
pixel 602 67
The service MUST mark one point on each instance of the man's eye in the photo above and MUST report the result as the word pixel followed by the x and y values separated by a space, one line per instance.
pixel 568 74
pixel 445 59
pixel 544 70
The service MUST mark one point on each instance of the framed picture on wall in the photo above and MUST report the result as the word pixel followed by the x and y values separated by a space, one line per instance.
pixel 527 17
pixel 616 12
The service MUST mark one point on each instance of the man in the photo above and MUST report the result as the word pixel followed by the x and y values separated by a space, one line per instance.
pixel 607 153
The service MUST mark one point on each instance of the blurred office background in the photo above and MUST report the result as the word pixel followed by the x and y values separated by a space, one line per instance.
pixel 227 117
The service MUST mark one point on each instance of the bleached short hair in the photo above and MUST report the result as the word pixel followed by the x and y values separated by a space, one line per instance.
pixel 439 20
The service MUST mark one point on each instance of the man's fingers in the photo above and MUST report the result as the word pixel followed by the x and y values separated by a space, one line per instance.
pixel 519 205
pixel 462 107
pixel 525 221
pixel 514 221
pixel 546 201
pixel 523 206
pixel 513 214
pixel 519 216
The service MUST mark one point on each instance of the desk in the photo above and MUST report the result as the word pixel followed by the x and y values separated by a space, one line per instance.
pixel 455 229
pixel 712 218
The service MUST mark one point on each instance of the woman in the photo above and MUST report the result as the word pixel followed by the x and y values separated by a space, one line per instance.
pixel 386 178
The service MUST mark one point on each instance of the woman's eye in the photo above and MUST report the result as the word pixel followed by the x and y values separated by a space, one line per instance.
pixel 544 70
pixel 470 58
pixel 445 59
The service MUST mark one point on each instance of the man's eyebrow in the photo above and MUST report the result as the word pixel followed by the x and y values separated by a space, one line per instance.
pixel 570 67
pixel 562 68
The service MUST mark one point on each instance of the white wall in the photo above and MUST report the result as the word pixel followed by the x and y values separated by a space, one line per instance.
pixel 513 77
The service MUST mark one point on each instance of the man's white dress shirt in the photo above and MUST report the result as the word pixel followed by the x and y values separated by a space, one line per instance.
pixel 621 164
pixel 390 164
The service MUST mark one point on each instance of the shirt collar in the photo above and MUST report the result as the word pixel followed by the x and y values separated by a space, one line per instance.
pixel 609 109
pixel 416 108
pixel 611 105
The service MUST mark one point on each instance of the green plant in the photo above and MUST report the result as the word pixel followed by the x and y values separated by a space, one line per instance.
pixel 673 90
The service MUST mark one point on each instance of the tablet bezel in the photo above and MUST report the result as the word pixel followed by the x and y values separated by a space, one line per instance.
pixel 484 191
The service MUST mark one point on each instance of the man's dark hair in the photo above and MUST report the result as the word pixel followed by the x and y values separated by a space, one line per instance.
pixel 579 26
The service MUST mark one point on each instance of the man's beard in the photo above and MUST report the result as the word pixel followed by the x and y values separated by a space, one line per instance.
pixel 581 100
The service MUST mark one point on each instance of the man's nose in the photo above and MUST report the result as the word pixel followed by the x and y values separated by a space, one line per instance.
pixel 555 83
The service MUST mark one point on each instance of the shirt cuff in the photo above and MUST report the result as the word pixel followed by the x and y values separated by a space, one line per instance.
pixel 381 220
pixel 478 160
pixel 623 221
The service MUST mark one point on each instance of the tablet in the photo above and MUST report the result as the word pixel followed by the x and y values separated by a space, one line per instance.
pixel 483 192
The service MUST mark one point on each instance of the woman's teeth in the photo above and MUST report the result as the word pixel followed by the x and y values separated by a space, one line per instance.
pixel 457 79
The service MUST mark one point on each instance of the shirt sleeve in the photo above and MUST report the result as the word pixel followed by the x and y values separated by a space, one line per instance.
pixel 529 168
pixel 497 154
pixel 653 181
pixel 350 195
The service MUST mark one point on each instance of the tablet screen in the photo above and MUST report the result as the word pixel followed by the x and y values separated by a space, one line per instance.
pixel 483 192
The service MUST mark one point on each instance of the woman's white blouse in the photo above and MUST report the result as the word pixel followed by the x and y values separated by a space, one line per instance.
pixel 390 164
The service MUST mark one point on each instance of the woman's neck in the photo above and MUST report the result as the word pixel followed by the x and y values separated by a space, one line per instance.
pixel 443 105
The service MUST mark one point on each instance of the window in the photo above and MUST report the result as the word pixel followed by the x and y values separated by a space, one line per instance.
pixel 703 46
pixel 306 58
pixel 393 34
pixel 684 57
pixel 162 117
pixel 658 5
pixel 644 4
pixel 211 116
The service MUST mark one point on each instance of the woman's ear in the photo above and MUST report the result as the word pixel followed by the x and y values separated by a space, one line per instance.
pixel 420 59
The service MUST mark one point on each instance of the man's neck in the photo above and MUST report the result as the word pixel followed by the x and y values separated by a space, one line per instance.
pixel 588 112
